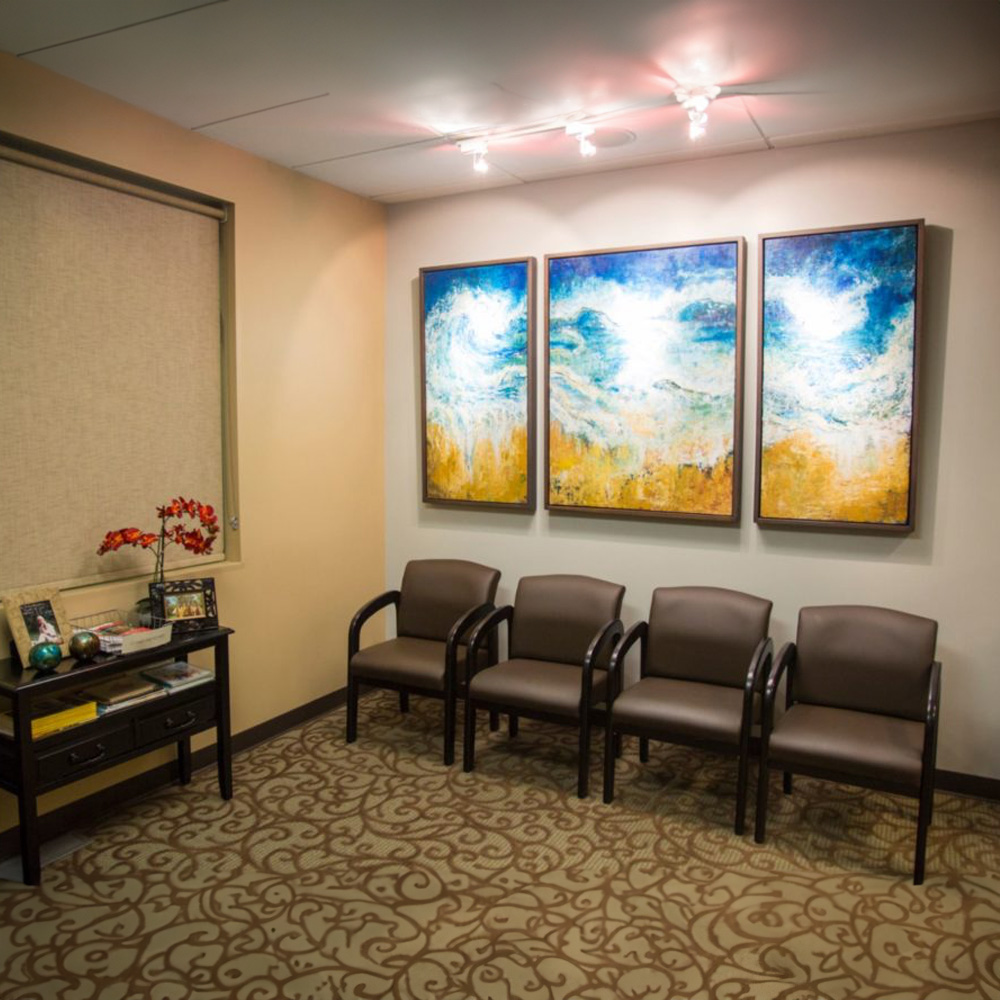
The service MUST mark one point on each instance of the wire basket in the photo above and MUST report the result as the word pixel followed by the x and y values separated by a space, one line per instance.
pixel 125 631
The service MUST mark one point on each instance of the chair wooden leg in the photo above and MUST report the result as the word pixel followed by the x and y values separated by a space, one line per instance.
pixel 786 782
pixel 494 720
pixel 469 747
pixel 352 709
pixel 644 749
pixel 404 701
pixel 583 773
pixel 742 776
pixel 924 813
pixel 449 731
pixel 760 823
pixel 612 745
pixel 512 725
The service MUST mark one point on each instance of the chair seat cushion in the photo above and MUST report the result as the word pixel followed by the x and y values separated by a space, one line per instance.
pixel 538 685
pixel 415 662
pixel 662 706
pixel 856 743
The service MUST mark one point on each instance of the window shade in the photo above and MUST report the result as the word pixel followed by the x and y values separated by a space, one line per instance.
pixel 110 373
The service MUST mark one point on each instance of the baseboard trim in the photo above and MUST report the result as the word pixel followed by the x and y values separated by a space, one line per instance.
pixel 74 814
pixel 975 785
pixel 82 811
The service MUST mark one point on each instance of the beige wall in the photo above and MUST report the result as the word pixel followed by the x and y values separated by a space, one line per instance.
pixel 309 294
pixel 948 569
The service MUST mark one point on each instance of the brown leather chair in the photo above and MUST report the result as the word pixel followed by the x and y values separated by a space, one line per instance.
pixel 704 659
pixel 561 630
pixel 437 603
pixel 861 703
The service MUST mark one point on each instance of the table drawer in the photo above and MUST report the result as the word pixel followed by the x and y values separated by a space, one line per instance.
pixel 78 758
pixel 175 720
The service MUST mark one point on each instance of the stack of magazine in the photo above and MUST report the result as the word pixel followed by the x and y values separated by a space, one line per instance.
pixel 176 675
pixel 123 692
pixel 146 685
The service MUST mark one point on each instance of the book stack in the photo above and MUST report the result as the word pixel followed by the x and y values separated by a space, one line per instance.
pixel 123 692
pixel 177 675
pixel 111 635
pixel 49 715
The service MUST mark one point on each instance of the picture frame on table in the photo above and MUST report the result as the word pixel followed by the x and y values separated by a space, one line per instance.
pixel 36 614
pixel 189 605
pixel 838 374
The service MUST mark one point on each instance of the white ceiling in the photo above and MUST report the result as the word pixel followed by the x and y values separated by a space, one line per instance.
pixel 371 95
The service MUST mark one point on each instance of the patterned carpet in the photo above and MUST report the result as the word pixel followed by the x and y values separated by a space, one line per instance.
pixel 371 871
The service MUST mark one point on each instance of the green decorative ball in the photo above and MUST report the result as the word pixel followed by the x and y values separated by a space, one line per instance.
pixel 45 655
pixel 84 645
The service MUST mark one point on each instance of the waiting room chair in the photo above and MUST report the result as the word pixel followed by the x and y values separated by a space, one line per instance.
pixel 437 603
pixel 862 697
pixel 561 630
pixel 704 658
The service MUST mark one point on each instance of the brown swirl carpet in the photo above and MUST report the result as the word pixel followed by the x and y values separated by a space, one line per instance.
pixel 371 871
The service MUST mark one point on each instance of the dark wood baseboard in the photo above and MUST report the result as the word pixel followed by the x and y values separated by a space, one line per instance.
pixel 83 810
pixel 968 784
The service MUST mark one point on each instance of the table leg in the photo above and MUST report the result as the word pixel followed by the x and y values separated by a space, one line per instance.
pixel 224 749
pixel 27 797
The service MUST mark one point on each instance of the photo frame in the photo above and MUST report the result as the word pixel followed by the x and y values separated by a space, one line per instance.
pixel 838 373
pixel 36 614
pixel 189 604
pixel 644 381
pixel 477 362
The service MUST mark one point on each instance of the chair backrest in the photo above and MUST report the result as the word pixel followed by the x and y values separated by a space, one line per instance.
pixel 704 633
pixel 557 616
pixel 866 659
pixel 435 593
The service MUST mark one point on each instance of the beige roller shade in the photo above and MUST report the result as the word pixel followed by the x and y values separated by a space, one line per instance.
pixel 110 372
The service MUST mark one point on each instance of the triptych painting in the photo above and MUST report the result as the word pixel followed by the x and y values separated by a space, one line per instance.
pixel 645 352
pixel 644 376
pixel 477 334
pixel 837 377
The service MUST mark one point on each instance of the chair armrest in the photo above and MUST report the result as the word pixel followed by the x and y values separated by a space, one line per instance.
pixel 458 630
pixel 757 674
pixel 785 660
pixel 482 630
pixel 760 667
pixel 637 633
pixel 933 707
pixel 611 632
pixel 364 613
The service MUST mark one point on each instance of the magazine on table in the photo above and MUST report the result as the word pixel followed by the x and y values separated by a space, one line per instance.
pixel 178 674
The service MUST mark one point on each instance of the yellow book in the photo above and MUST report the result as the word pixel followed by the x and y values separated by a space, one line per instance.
pixel 48 715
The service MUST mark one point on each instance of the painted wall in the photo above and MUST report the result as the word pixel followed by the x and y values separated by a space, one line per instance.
pixel 310 279
pixel 949 569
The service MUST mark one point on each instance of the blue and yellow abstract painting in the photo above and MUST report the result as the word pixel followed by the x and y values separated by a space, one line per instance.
pixel 477 326
pixel 644 348
pixel 838 322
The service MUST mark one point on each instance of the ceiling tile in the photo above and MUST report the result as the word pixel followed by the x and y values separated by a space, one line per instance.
pixel 422 171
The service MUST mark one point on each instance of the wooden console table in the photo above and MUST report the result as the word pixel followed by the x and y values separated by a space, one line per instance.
pixel 29 767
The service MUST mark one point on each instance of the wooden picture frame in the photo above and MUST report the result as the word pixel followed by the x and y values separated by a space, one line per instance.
pixel 477 373
pixel 189 604
pixel 644 381
pixel 837 377
pixel 25 607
